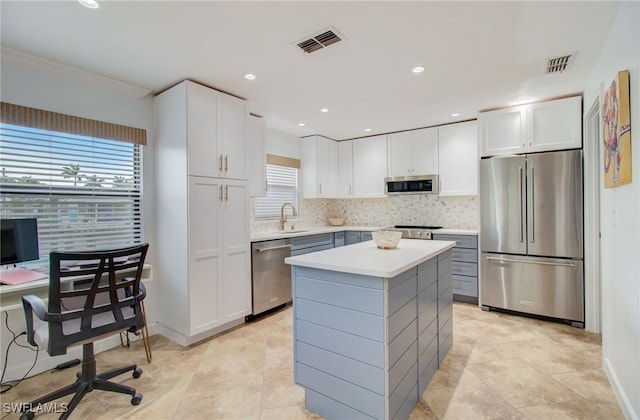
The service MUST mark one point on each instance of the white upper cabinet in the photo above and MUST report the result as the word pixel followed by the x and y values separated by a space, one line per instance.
pixel 256 157
pixel 458 159
pixel 544 126
pixel 369 166
pixel 319 167
pixel 555 125
pixel 413 152
pixel 216 131
pixel 345 169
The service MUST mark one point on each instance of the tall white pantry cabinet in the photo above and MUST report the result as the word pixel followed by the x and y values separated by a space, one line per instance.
pixel 202 212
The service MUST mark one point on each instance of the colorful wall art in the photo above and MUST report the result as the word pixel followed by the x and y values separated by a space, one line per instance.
pixel 616 125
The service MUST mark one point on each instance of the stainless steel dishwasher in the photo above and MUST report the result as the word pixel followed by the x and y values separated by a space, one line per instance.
pixel 270 276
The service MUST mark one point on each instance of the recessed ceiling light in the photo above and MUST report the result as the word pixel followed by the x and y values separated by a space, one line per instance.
pixel 367 129
pixel 455 114
pixel 324 110
pixel 250 76
pixel 418 69
pixel 91 4
pixel 301 124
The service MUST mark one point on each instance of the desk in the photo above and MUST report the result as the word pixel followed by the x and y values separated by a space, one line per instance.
pixel 21 359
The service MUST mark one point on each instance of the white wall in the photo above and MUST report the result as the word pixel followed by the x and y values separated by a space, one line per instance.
pixel 281 143
pixel 34 86
pixel 620 248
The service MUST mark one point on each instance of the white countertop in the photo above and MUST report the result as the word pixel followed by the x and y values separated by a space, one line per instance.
pixel 313 230
pixel 366 259
pixel 305 231
pixel 446 231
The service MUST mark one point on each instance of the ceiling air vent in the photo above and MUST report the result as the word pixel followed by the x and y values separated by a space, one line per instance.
pixel 320 40
pixel 558 64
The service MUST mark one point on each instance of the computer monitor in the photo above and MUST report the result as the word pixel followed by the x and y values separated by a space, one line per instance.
pixel 19 240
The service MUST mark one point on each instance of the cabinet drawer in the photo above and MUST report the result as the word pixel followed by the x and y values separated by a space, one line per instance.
pixel 464 285
pixel 462 241
pixel 464 255
pixel 312 241
pixel 464 269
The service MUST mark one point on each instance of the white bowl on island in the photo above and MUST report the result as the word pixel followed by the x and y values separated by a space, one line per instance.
pixel 386 239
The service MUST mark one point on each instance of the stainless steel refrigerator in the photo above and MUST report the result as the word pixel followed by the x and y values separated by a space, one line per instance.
pixel 532 234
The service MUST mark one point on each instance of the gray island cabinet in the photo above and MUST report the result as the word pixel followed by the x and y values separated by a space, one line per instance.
pixel 371 326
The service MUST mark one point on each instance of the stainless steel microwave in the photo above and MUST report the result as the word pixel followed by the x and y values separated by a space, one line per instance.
pixel 415 184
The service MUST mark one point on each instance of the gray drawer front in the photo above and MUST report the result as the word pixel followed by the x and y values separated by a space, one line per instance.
pixel 338 239
pixel 351 237
pixel 465 269
pixel 465 255
pixel 365 236
pixel 312 241
pixel 462 241
pixel 464 285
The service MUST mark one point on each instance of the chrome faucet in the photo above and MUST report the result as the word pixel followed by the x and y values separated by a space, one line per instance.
pixel 283 218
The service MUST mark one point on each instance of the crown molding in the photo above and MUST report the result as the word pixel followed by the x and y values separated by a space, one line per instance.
pixel 75 74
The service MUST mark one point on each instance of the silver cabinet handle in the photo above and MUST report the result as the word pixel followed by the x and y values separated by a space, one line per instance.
pixel 273 248
pixel 226 193
pixel 226 163
pixel 220 193
pixel 558 264
pixel 220 163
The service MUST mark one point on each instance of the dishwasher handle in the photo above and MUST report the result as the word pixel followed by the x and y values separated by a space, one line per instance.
pixel 271 248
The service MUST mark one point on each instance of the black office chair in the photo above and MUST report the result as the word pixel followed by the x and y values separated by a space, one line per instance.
pixel 91 295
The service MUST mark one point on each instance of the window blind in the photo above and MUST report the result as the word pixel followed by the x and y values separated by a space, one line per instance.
pixel 282 187
pixel 84 191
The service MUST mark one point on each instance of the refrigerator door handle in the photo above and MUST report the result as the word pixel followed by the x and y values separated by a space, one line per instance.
pixel 520 195
pixel 558 264
pixel 532 219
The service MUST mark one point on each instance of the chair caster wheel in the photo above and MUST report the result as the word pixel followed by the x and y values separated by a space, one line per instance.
pixel 27 416
pixel 136 399
pixel 137 373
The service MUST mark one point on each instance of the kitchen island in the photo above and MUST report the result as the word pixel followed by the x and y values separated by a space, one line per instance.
pixel 371 326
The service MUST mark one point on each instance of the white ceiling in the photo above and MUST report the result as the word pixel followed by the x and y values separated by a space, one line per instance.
pixel 478 55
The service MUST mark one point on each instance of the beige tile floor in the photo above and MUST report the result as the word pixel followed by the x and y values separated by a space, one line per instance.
pixel 500 366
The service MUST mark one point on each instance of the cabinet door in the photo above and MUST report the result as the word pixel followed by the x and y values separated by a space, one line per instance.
pixel 308 167
pixel 256 157
pixel 555 125
pixel 234 134
pixel 502 132
pixel 203 107
pixel 237 254
pixel 399 154
pixel 458 159
pixel 329 184
pixel 369 166
pixel 424 151
pixel 205 254
pixel 345 169
pixel 351 237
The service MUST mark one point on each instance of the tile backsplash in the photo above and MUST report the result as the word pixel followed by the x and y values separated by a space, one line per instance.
pixel 420 210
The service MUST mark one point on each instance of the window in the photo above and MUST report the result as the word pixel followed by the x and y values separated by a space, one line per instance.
pixel 282 187
pixel 85 191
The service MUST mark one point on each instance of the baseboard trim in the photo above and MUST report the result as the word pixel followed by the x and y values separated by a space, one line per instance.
pixel 621 396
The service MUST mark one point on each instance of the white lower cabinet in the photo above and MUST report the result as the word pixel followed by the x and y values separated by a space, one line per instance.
pixel 204 290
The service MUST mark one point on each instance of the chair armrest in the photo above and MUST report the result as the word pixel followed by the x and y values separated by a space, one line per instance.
pixel 31 304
